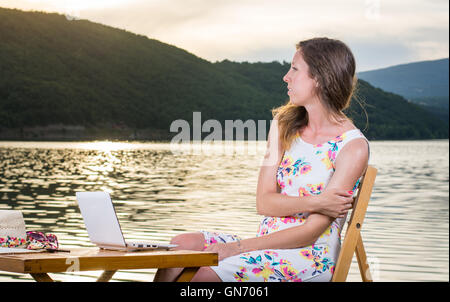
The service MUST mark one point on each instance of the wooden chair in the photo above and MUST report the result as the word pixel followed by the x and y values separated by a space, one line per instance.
pixel 353 241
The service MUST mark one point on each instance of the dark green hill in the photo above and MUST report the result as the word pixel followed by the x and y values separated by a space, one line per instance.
pixel 391 116
pixel 78 72
pixel 62 79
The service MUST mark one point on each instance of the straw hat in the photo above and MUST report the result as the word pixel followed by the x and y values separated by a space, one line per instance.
pixel 12 224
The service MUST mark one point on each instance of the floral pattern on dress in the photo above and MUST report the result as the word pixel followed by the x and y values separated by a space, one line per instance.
pixel 316 188
pixel 215 237
pixel 316 253
pixel 269 266
pixel 332 151
pixel 303 192
pixel 273 224
pixel 288 167
pixel 327 161
pixel 267 225
pixel 241 275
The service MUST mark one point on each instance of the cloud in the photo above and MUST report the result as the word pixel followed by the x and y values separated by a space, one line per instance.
pixel 370 53
pixel 380 32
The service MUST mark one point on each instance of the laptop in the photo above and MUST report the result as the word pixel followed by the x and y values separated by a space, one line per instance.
pixel 103 226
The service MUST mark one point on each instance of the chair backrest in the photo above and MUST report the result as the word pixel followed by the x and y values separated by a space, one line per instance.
pixel 353 240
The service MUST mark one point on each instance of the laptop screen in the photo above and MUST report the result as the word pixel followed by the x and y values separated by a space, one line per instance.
pixel 100 219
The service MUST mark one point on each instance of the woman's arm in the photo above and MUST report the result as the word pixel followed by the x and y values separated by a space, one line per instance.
pixel 351 164
pixel 269 201
pixel 294 237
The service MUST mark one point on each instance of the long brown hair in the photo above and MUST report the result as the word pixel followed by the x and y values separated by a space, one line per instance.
pixel 332 65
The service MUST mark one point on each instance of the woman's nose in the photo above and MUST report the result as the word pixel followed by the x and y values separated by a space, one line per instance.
pixel 285 78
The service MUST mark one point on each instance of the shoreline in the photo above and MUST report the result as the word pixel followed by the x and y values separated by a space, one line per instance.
pixel 116 133
pixel 168 141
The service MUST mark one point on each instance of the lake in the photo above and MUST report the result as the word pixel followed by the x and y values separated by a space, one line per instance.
pixel 159 193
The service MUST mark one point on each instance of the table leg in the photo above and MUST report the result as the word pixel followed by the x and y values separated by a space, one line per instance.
pixel 187 274
pixel 106 276
pixel 42 277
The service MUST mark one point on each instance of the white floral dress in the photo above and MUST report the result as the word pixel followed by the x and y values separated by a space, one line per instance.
pixel 304 170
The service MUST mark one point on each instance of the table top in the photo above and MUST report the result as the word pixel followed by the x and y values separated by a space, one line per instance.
pixel 85 259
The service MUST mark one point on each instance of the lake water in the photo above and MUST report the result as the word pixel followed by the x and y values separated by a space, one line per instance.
pixel 159 193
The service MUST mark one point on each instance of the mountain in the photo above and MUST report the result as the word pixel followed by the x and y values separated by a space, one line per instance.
pixel 424 83
pixel 75 79
pixel 413 80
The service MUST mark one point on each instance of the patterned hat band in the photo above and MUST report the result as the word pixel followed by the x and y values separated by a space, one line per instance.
pixel 13 242
pixel 34 241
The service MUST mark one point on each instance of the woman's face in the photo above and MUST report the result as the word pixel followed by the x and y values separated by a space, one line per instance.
pixel 301 88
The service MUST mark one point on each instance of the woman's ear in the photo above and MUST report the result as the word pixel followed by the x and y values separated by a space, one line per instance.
pixel 316 87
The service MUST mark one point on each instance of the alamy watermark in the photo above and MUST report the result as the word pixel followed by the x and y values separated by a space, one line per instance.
pixel 71 10
pixel 372 9
pixel 222 140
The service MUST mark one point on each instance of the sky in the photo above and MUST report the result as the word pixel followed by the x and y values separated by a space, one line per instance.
pixel 380 33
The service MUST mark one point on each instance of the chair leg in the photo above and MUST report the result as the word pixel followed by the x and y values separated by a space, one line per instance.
pixel 362 261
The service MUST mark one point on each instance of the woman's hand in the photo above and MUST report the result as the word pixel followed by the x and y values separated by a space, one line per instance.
pixel 334 202
pixel 224 250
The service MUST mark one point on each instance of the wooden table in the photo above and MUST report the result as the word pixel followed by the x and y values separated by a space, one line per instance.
pixel 38 265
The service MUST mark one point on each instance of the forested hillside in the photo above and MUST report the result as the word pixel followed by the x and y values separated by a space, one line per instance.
pixel 62 79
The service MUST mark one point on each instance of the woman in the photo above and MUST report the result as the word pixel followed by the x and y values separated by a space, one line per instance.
pixel 304 188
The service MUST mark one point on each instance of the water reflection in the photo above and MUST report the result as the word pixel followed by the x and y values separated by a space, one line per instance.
pixel 159 193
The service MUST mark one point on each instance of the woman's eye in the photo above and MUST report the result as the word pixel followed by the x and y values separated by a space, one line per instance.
pixel 294 68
